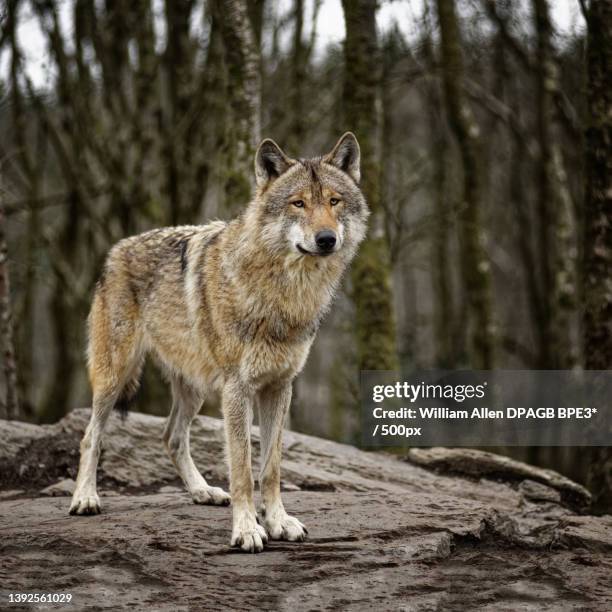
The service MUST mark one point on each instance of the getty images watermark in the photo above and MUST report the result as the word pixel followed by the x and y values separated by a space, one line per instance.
pixel 487 408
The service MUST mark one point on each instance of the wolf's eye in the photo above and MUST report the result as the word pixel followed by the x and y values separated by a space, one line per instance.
pixel 334 201
pixel 298 203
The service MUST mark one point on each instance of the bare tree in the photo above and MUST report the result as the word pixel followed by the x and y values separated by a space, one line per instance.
pixel 554 208
pixel 31 172
pixel 371 272
pixel 9 409
pixel 150 117
pixel 444 316
pixel 244 91
pixel 475 265
pixel 299 61
pixel 598 212
pixel 129 129
pixel 301 55
pixel 549 231
pixel 597 323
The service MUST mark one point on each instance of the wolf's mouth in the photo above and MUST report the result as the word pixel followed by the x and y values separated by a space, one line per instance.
pixel 303 251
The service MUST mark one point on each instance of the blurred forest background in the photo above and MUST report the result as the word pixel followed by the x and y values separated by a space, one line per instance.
pixel 485 133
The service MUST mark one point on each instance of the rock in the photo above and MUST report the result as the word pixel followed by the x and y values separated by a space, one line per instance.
pixel 169 489
pixel 62 488
pixel 288 486
pixel 384 533
pixel 11 493
pixel 536 491
pixel 475 463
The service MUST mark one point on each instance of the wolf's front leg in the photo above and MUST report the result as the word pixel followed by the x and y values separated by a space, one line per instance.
pixel 237 404
pixel 273 407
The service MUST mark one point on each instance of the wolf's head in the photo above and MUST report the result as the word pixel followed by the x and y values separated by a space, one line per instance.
pixel 311 208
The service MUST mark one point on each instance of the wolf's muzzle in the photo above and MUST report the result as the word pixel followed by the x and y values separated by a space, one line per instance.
pixel 326 240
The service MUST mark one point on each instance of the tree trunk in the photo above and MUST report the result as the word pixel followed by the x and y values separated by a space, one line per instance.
pixel 554 209
pixel 55 404
pixel 10 408
pixel 216 100
pixel 256 10
pixel 30 168
pixel 179 93
pixel 298 75
pixel 475 266
pixel 443 311
pixel 597 323
pixel 244 88
pixel 371 272
pixel 443 297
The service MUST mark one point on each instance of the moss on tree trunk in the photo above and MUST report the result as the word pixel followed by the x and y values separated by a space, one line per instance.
pixel 371 271
pixel 554 209
pixel 244 90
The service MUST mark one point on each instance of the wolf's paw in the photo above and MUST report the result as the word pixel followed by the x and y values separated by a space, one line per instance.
pixel 211 496
pixel 248 534
pixel 281 526
pixel 85 504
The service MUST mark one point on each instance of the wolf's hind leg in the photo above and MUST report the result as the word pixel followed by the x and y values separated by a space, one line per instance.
pixel 85 499
pixel 273 407
pixel 185 406
pixel 115 363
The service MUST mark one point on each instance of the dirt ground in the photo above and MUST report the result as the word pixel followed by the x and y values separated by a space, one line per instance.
pixel 384 533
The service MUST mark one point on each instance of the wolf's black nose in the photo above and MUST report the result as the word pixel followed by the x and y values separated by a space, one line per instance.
pixel 326 240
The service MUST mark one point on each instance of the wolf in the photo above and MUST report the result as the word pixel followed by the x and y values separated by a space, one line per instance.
pixel 232 309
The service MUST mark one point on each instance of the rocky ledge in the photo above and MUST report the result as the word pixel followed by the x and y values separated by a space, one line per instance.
pixel 441 529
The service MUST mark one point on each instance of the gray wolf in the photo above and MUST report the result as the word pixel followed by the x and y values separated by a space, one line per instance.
pixel 230 308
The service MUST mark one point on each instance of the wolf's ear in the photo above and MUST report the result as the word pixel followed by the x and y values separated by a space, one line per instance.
pixel 270 162
pixel 346 156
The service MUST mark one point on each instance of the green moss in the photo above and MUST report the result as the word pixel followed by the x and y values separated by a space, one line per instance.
pixel 375 321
